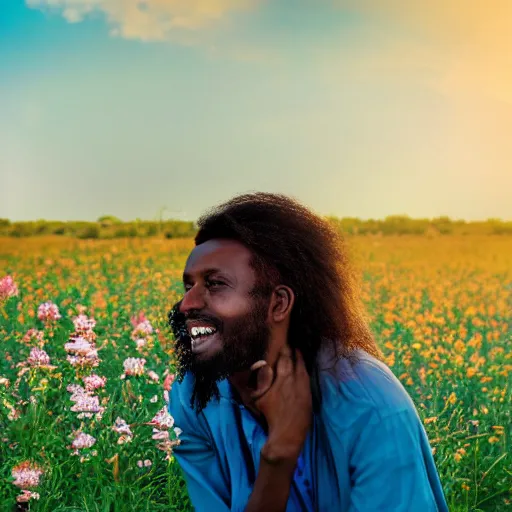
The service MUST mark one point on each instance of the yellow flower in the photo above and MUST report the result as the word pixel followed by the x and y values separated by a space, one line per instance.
pixel 494 439
pixel 470 372
pixel 452 398
pixel 460 346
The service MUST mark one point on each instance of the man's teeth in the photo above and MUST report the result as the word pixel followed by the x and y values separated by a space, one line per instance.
pixel 200 331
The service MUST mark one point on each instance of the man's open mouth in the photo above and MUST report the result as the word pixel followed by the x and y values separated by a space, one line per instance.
pixel 201 337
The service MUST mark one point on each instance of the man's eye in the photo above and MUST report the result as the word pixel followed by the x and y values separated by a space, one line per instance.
pixel 209 284
pixel 215 283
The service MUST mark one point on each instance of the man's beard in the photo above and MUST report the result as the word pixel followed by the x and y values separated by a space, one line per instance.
pixel 244 342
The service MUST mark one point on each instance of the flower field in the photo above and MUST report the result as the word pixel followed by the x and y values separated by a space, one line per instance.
pixel 87 364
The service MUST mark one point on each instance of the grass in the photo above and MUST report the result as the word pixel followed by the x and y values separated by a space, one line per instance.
pixel 440 309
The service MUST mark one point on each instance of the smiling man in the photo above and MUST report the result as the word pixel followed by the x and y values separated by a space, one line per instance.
pixel 282 397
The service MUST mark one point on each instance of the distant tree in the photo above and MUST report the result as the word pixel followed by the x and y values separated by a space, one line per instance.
pixel 152 229
pixel 91 231
pixel 443 225
pixel 108 220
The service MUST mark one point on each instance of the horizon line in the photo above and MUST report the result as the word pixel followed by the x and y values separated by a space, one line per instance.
pixel 332 216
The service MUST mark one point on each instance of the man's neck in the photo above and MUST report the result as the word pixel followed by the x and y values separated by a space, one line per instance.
pixel 241 387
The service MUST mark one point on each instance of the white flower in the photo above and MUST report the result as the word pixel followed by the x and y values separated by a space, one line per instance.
pixel 153 376
pixel 26 496
pixel 134 366
pixel 162 420
pixel 142 329
pixel 93 382
pixel 121 427
pixel 83 323
pixel 48 311
pixel 26 475
pixel 82 440
pixel 38 357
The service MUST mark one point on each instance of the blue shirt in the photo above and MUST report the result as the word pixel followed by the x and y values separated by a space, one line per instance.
pixel 367 450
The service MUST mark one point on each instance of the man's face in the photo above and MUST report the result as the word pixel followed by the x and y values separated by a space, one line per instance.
pixel 220 329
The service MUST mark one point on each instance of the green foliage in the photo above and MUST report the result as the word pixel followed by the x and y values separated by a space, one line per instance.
pixel 444 296
pixel 109 226
pixel 92 231
pixel 108 220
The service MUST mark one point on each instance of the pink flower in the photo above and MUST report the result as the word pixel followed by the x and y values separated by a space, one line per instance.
pixel 93 382
pixel 82 441
pixel 160 435
pixel 167 446
pixel 141 343
pixel 141 330
pixel 134 366
pixel 86 353
pixel 135 320
pixel 83 323
pixel 26 475
pixel 8 288
pixel 121 427
pixel 79 346
pixel 147 463
pixel 162 420
pixel 153 376
pixel 26 496
pixel 38 357
pixel 48 311
pixel 168 381
pixel 87 405
pixel 76 390
pixel 90 361
pixel 34 335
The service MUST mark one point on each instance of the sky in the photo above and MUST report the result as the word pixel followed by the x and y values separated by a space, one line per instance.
pixel 360 108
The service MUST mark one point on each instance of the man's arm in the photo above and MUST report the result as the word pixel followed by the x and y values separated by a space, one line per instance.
pixel 206 485
pixel 272 487
pixel 393 468
pixel 286 404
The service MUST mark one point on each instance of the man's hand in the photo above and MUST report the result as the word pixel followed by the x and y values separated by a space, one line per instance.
pixel 283 396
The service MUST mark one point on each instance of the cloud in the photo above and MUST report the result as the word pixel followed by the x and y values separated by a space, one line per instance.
pixel 470 41
pixel 147 20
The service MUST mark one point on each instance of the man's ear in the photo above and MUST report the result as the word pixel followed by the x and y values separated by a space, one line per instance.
pixel 282 302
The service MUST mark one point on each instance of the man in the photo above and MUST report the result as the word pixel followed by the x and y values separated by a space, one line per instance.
pixel 282 399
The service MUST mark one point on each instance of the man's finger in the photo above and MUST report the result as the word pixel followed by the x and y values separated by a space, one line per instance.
pixel 300 365
pixel 264 379
pixel 284 365
pixel 285 350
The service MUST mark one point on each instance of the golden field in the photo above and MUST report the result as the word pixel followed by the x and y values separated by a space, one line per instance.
pixel 440 308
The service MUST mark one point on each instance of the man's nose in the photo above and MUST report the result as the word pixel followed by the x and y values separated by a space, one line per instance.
pixel 193 299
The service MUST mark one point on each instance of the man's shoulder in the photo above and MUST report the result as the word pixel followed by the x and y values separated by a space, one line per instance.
pixel 181 395
pixel 364 385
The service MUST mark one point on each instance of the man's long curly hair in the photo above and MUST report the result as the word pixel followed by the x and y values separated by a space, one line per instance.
pixel 292 245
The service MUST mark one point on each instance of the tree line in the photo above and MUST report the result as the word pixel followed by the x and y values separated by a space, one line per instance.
pixel 110 227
